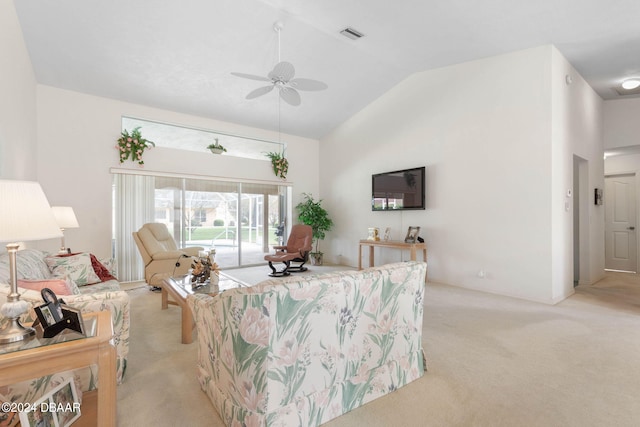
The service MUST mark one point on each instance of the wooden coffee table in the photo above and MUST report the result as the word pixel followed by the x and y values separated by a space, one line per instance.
pixel 179 287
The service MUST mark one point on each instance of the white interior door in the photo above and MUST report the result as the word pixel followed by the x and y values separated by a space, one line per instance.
pixel 620 223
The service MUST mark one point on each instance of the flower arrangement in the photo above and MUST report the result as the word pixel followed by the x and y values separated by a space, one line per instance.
pixel 132 146
pixel 205 269
pixel 216 147
pixel 279 163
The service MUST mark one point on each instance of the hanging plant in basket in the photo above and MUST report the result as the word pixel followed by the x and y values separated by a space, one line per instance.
pixel 132 146
pixel 216 147
pixel 279 163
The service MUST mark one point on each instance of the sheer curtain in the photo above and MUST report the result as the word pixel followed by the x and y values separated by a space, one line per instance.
pixel 133 206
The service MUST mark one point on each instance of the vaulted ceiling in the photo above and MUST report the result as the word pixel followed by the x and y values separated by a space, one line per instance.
pixel 179 55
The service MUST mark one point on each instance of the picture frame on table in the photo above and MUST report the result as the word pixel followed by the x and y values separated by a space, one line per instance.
pixel 412 234
pixel 60 408
pixel 374 233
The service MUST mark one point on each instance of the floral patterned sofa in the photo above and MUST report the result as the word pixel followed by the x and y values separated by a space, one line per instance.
pixel 35 266
pixel 304 350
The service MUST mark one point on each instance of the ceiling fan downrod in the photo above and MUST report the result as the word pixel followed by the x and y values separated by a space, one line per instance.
pixel 277 27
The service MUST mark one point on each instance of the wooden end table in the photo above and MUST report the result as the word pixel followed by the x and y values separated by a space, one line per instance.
pixel 179 287
pixel 42 357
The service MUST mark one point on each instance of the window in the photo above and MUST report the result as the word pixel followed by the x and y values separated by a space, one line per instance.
pixel 191 139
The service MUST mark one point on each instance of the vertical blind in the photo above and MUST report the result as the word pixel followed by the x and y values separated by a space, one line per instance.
pixel 134 206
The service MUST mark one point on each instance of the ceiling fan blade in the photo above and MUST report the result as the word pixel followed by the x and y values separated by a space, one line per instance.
pixel 308 84
pixel 252 77
pixel 290 96
pixel 283 72
pixel 259 92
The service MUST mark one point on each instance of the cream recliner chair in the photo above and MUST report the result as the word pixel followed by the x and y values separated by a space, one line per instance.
pixel 160 254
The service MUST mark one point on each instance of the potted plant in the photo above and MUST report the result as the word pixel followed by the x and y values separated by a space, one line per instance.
pixel 132 146
pixel 216 148
pixel 279 163
pixel 312 213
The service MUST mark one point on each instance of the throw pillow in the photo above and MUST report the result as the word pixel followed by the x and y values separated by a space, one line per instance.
pixel 58 286
pixel 99 268
pixel 77 267
pixel 101 271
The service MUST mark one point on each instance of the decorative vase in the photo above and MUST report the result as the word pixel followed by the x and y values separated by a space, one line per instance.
pixel 216 150
pixel 214 279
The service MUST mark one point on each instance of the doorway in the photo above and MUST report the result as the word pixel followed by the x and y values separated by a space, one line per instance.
pixel 620 223
pixel 580 220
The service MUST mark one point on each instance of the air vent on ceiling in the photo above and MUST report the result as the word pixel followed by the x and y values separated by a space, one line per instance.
pixel 351 33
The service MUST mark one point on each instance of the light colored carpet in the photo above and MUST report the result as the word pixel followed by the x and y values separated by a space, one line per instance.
pixel 492 361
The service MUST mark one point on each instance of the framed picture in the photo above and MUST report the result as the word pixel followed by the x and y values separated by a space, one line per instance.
pixel 50 312
pixel 65 400
pixel 373 234
pixel 60 408
pixel 9 418
pixel 412 235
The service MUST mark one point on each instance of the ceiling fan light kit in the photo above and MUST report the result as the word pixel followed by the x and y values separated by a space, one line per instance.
pixel 282 78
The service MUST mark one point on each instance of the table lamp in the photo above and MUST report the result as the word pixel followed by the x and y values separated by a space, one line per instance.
pixel 25 214
pixel 66 219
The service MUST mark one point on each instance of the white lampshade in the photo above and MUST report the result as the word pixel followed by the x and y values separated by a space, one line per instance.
pixel 65 216
pixel 25 213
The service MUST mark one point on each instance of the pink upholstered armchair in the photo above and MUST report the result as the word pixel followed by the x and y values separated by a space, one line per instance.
pixel 297 250
pixel 161 255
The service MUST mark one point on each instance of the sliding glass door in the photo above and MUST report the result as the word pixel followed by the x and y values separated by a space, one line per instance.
pixel 239 220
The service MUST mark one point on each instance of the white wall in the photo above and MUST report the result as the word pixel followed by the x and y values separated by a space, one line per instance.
pixel 76 149
pixel 17 102
pixel 484 131
pixel 622 165
pixel 577 129
pixel 621 124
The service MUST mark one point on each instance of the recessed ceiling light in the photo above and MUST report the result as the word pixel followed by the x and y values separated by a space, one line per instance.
pixel 631 84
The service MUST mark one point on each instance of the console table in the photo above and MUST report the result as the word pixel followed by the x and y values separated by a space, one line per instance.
pixel 96 348
pixel 393 244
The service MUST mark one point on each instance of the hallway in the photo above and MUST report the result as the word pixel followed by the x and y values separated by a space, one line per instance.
pixel 620 291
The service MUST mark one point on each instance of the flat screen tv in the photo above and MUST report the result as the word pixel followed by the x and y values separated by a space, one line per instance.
pixel 398 190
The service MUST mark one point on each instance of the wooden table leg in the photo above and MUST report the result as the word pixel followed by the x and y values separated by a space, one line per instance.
pixel 413 253
pixel 187 324
pixel 107 385
pixel 371 260
pixel 360 257
pixel 165 298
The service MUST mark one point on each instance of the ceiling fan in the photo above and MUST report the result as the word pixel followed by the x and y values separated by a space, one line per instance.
pixel 282 78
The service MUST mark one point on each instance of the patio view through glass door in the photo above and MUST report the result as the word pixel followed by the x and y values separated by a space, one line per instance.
pixel 239 220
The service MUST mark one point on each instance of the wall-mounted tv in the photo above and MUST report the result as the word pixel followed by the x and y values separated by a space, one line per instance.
pixel 398 190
